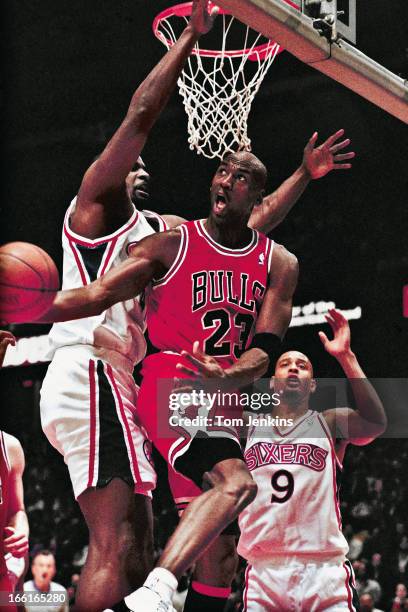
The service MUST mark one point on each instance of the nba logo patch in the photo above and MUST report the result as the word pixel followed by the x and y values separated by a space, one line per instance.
pixel 261 259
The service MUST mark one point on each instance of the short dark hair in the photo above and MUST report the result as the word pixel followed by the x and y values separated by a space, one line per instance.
pixel 43 551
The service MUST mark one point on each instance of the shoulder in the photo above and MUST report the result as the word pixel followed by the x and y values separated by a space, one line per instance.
pixel 15 452
pixel 284 265
pixel 283 257
pixel 173 220
pixel 55 586
pixel 156 241
pixel 161 248
pixel 29 585
pixel 335 417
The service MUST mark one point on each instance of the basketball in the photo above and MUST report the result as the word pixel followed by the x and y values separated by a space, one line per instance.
pixel 28 282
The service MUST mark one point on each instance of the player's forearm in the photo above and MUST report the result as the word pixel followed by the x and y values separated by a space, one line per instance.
pixel 250 366
pixel 152 95
pixel 368 404
pixel 122 283
pixel 75 304
pixel 276 206
pixel 19 522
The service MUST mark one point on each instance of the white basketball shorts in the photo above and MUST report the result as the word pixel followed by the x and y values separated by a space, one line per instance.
pixel 88 413
pixel 290 585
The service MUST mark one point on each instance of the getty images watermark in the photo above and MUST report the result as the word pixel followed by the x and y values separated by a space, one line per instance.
pixel 210 407
pixel 198 408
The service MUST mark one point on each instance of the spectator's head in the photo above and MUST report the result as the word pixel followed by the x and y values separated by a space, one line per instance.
pixel 376 560
pixel 400 528
pixel 366 602
pixel 43 569
pixel 359 568
pixel 401 591
pixel 404 543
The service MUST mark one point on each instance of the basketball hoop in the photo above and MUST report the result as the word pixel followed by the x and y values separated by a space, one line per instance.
pixel 218 85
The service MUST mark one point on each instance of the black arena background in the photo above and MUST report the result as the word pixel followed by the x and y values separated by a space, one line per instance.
pixel 70 68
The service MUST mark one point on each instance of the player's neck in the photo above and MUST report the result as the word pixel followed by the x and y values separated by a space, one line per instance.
pixel 229 234
pixel 291 410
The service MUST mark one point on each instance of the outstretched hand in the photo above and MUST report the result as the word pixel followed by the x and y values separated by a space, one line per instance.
pixel 205 365
pixel 15 542
pixel 203 15
pixel 6 338
pixel 319 161
pixel 340 344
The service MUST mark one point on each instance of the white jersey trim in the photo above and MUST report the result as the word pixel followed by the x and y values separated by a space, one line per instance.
pixel 295 425
pixel 334 480
pixel 328 434
pixel 225 250
pixel 180 257
pixel 5 453
pixel 150 214
pixel 77 238
pixel 272 244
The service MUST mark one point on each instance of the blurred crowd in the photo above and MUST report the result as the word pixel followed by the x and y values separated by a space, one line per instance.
pixel 374 494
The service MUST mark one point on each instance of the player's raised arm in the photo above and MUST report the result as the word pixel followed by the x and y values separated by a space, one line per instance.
pixel 149 259
pixel 316 163
pixel 104 182
pixel 369 420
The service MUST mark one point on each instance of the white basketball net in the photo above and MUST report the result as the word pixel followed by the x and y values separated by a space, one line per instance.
pixel 218 90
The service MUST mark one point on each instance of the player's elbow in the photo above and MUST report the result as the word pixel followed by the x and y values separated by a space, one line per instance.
pixel 263 364
pixel 99 299
pixel 374 429
pixel 381 427
pixel 142 115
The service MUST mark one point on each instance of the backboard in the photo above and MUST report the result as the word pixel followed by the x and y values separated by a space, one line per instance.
pixel 334 56
pixel 345 10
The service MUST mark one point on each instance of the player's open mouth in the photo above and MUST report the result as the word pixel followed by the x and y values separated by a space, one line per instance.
pixel 292 380
pixel 220 203
pixel 141 193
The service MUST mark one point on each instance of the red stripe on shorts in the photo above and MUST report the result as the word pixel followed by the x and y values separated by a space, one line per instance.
pixel 349 593
pixel 133 458
pixel 92 419
pixel 245 608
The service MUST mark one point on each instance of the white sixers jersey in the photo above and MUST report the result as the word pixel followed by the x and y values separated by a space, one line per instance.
pixel 296 509
pixel 121 327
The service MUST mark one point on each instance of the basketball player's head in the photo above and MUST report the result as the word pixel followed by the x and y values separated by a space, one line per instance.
pixel 138 183
pixel 43 568
pixel 238 185
pixel 293 378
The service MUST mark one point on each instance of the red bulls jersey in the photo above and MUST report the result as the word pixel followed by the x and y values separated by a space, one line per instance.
pixel 211 294
pixel 4 495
